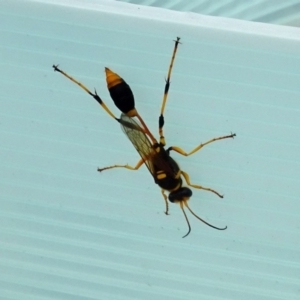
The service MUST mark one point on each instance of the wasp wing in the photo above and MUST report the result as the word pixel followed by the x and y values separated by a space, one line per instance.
pixel 139 139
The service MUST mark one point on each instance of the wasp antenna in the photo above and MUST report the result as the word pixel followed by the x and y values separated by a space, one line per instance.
pixel 187 220
pixel 185 203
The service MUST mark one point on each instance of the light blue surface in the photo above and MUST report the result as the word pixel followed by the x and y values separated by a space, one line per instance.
pixel 285 12
pixel 69 232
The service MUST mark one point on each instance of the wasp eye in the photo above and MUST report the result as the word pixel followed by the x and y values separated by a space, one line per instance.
pixel 181 194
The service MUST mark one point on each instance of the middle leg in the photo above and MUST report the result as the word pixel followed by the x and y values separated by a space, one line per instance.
pixel 166 201
pixel 187 179
pixel 140 162
pixel 182 152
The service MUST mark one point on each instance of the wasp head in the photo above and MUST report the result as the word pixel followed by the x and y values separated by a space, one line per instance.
pixel 181 196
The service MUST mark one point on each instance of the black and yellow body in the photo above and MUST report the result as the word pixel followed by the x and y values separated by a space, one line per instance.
pixel 163 168
pixel 166 171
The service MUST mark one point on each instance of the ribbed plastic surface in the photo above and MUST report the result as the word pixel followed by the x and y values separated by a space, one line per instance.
pixel 69 232
pixel 268 11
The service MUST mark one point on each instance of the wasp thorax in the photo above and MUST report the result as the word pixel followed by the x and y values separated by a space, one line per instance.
pixel 182 194
pixel 119 91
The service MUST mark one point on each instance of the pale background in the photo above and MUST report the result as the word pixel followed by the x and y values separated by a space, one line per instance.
pixel 69 232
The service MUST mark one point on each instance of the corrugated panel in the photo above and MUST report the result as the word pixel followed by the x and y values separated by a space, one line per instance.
pixel 267 11
pixel 69 232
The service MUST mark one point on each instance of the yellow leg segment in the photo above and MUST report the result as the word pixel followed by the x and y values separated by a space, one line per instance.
pixel 182 152
pixel 140 162
pixel 95 96
pixel 187 179
pixel 166 200
pixel 167 86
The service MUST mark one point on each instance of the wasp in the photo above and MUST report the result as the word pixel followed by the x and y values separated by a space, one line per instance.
pixel 163 168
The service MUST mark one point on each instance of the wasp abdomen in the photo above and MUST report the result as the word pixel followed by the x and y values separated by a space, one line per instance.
pixel 119 91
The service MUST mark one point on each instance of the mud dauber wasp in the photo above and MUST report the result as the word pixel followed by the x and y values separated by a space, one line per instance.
pixel 162 166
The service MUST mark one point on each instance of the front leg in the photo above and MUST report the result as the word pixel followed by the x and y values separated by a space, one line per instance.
pixel 187 179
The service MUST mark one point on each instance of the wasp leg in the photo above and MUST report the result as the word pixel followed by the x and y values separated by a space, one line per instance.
pixel 167 86
pixel 182 152
pixel 140 162
pixel 95 96
pixel 166 200
pixel 187 179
